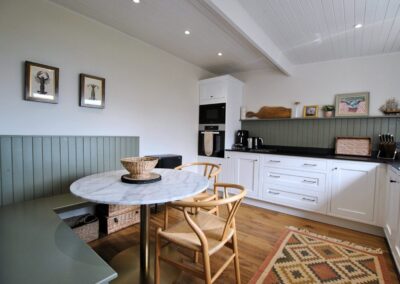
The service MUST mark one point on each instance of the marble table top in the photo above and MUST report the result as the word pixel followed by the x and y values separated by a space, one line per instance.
pixel 109 189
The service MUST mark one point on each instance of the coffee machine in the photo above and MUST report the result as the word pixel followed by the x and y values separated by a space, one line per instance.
pixel 241 140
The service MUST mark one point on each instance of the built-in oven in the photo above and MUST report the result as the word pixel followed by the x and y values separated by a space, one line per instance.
pixel 211 140
pixel 212 114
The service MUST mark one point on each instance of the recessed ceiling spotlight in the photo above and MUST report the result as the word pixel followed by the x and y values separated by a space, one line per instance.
pixel 187 32
pixel 136 1
pixel 358 26
pixel 219 53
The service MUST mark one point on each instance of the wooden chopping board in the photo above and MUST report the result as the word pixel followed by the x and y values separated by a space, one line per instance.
pixel 271 112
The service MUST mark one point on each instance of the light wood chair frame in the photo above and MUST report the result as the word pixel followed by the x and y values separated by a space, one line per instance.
pixel 211 171
pixel 232 203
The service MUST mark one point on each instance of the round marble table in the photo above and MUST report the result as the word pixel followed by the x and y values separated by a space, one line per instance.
pixel 107 188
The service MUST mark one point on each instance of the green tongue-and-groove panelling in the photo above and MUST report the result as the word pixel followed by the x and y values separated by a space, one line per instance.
pixel 40 166
pixel 321 133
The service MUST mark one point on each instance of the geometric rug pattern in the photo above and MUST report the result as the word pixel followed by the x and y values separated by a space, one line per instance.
pixel 301 257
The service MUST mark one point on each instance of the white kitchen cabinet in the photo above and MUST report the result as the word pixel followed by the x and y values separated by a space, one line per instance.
pixel 392 215
pixel 243 169
pixel 353 190
pixel 213 91
pixel 224 89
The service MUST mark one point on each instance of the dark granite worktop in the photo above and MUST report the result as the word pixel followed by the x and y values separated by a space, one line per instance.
pixel 322 153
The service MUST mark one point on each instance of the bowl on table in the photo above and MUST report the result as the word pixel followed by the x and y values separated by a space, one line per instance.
pixel 139 167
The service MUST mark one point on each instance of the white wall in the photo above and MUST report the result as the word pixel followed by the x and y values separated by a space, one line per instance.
pixel 149 92
pixel 318 83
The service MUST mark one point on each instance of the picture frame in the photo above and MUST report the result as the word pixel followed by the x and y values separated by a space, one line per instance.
pixel 92 91
pixel 353 146
pixel 310 111
pixel 41 83
pixel 352 104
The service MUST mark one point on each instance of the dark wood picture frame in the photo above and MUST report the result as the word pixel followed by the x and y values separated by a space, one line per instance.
pixel 41 94
pixel 83 100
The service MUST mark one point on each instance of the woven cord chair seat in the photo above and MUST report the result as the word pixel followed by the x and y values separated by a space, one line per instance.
pixel 211 225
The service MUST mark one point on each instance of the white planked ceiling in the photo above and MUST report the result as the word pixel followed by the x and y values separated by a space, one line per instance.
pixel 318 30
pixel 162 23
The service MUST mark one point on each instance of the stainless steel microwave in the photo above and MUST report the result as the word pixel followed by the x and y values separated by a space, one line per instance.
pixel 212 114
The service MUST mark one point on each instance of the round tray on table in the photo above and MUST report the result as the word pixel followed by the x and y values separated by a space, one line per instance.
pixel 154 177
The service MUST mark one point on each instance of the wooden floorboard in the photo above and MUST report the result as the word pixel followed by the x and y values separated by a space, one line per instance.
pixel 258 231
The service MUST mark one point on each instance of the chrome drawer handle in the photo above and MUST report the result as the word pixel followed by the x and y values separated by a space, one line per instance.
pixel 274 176
pixel 274 161
pixel 309 181
pixel 273 192
pixel 310 165
pixel 308 199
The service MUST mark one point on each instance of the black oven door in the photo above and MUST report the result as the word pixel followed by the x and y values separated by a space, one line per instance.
pixel 218 144
pixel 212 114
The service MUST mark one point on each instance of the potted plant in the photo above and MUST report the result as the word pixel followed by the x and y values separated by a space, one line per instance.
pixel 328 110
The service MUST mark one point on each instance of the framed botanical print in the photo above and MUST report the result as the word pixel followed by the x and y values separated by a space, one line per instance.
pixel 310 111
pixel 41 83
pixel 353 104
pixel 92 91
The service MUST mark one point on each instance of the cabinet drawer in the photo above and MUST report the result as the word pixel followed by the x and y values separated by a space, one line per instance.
pixel 294 178
pixel 295 163
pixel 310 202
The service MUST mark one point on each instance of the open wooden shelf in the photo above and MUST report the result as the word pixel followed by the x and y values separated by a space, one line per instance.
pixel 321 118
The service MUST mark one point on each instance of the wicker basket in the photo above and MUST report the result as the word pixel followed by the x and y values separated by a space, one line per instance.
pixel 113 210
pixel 115 223
pixel 87 232
pixel 139 167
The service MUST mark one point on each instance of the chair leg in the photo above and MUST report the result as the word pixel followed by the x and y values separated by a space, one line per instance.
pixel 236 259
pixel 157 258
pixel 207 267
pixel 166 216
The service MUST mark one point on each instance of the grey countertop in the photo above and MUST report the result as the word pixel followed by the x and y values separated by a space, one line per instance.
pixel 38 247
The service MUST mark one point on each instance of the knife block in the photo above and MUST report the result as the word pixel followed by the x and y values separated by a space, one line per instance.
pixel 387 150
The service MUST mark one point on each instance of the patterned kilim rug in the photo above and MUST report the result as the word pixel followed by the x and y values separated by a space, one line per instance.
pixel 302 257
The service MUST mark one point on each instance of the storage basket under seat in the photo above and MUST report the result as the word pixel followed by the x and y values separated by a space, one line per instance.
pixel 119 220
pixel 85 226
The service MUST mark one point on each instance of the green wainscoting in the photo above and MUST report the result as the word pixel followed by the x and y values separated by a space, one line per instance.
pixel 320 133
pixel 39 166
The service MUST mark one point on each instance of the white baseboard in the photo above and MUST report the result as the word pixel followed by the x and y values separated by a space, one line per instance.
pixel 365 228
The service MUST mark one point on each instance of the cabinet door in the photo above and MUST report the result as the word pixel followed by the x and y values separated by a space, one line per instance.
pixel 353 190
pixel 229 169
pixel 392 208
pixel 246 173
pixel 213 92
